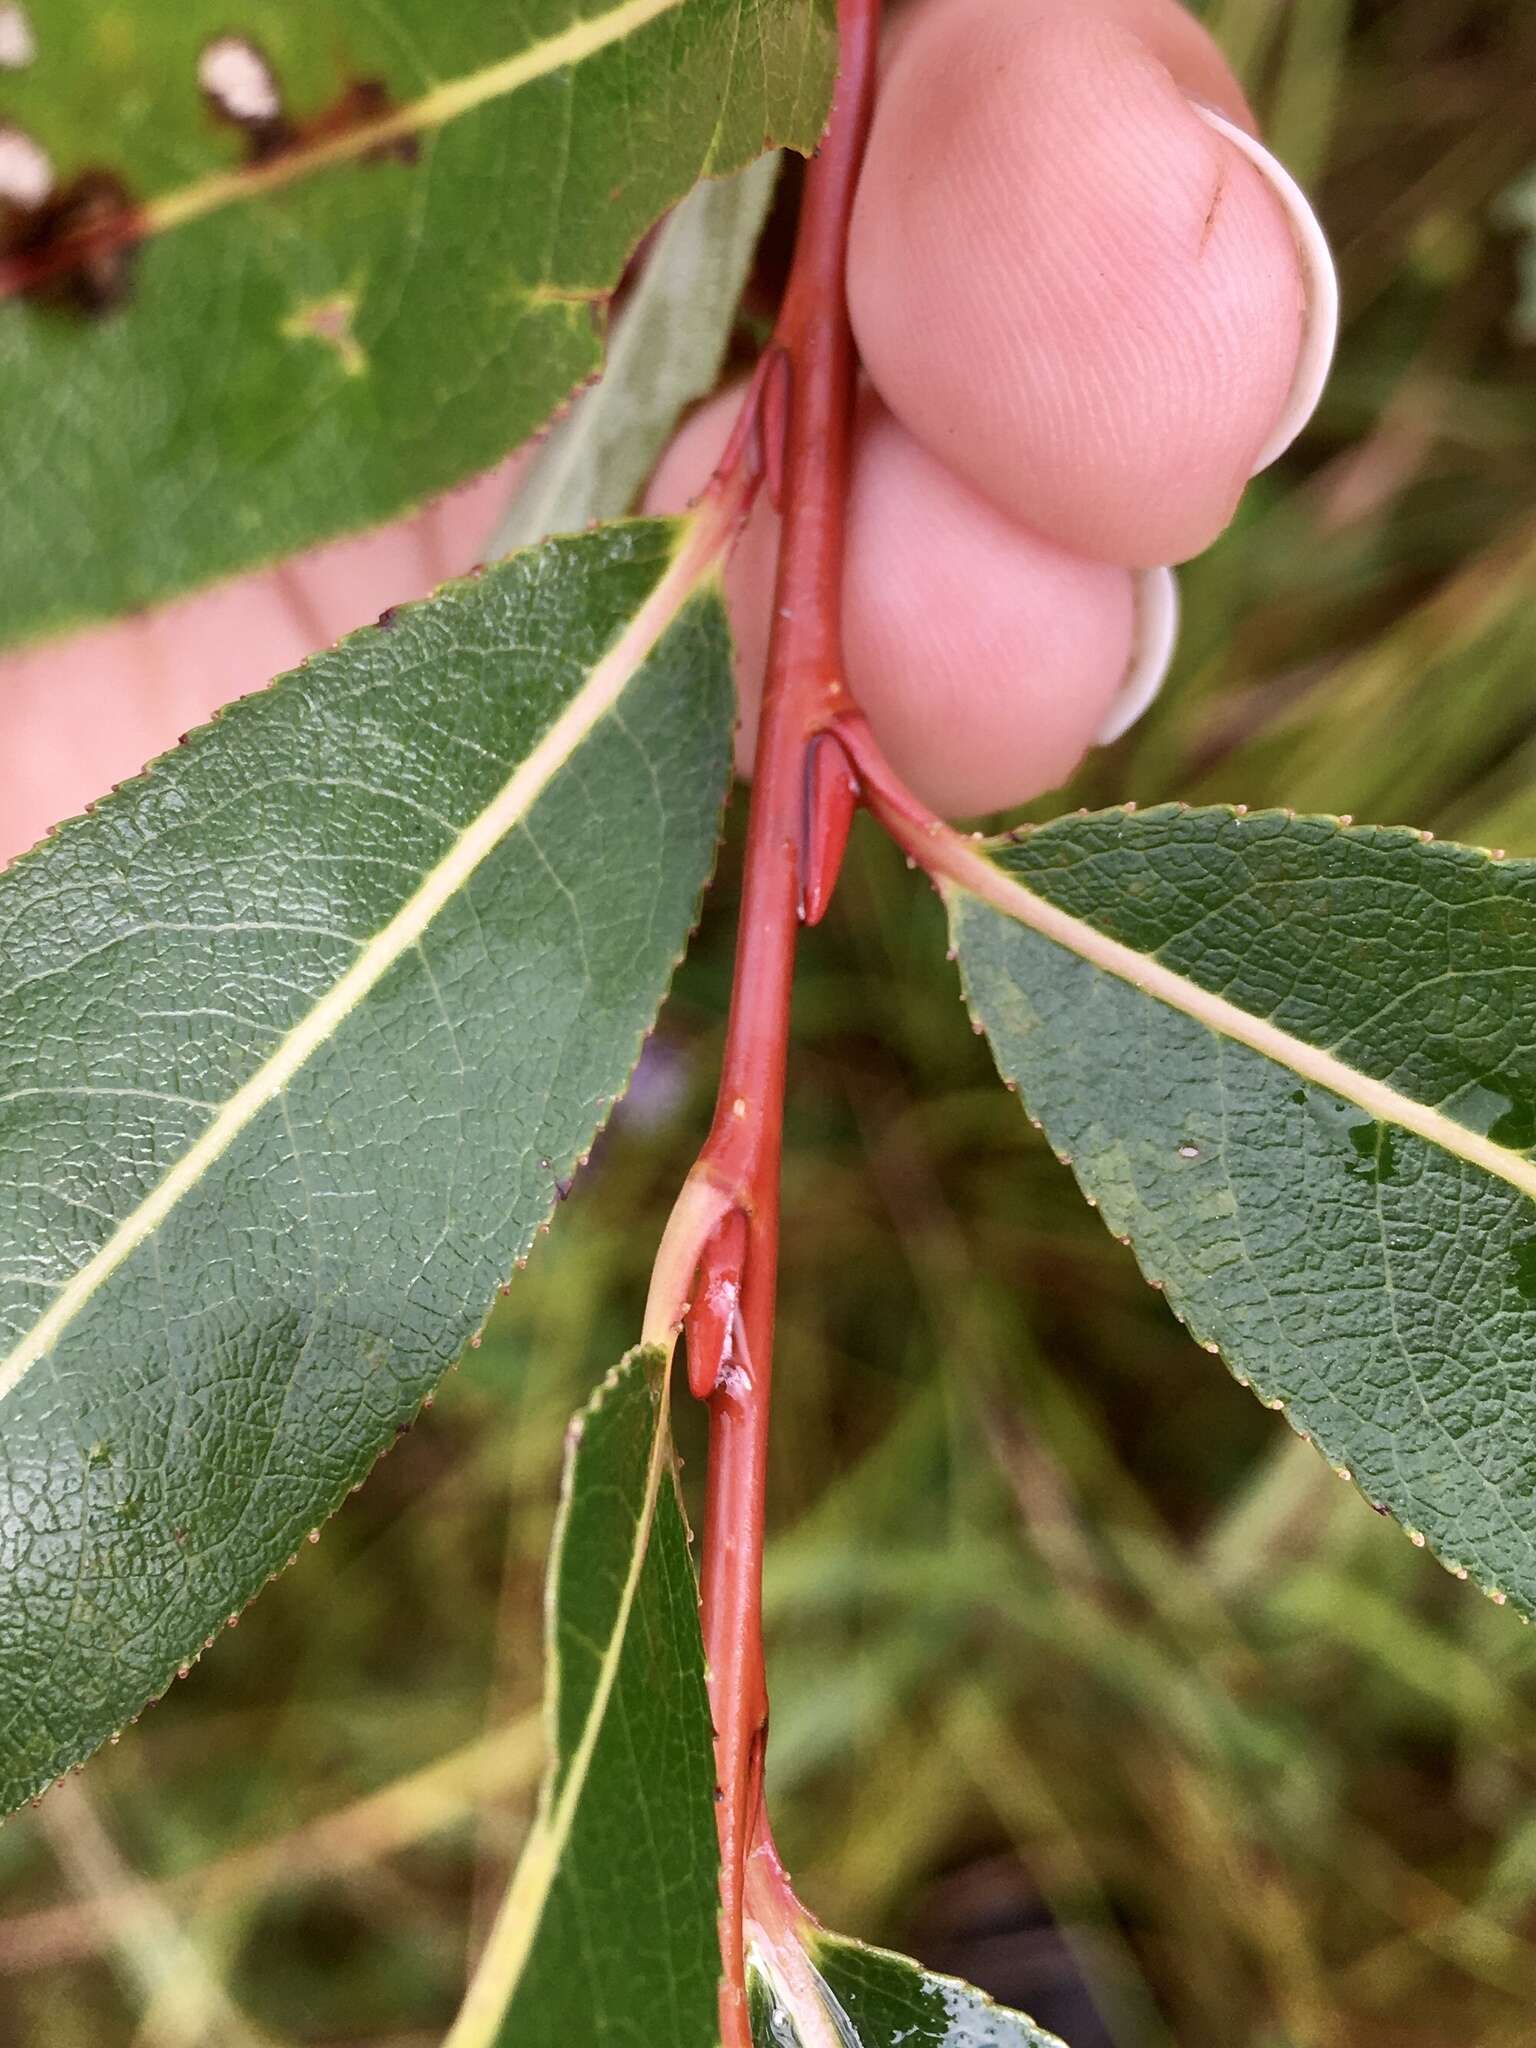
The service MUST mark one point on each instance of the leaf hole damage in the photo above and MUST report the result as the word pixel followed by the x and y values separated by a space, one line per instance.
pixel 74 245
pixel 241 90
pixel 18 45
pixel 26 169
pixel 69 245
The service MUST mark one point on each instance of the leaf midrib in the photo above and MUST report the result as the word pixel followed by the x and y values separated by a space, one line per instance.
pixel 445 102
pixel 506 1954
pixel 691 561
pixel 973 872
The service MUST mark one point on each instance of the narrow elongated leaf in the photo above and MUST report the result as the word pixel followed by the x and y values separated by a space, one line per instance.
pixel 666 350
pixel 298 1036
pixel 608 1933
pixel 272 274
pixel 1295 1063
pixel 812 1989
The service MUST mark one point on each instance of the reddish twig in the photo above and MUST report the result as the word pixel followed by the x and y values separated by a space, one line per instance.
pixel 945 855
pixel 723 1243
pixel 816 762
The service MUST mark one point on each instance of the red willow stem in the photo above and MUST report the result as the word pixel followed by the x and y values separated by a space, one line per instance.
pixel 803 798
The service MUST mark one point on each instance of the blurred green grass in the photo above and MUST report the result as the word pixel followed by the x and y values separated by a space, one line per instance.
pixel 1089 1680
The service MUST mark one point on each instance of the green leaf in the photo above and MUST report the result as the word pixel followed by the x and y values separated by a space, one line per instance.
pixel 666 350
pixel 1295 1064
pixel 811 1989
pixel 299 1035
pixel 608 1933
pixel 299 327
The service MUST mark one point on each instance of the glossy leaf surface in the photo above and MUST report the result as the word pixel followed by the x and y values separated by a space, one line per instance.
pixel 608 1932
pixel 299 1035
pixel 296 268
pixel 1295 1064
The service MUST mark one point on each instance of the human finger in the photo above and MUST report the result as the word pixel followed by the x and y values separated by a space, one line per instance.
pixel 986 657
pixel 1066 280
pixel 80 714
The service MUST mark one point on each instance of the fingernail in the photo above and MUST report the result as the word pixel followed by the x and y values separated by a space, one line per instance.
pixel 1319 280
pixel 1154 635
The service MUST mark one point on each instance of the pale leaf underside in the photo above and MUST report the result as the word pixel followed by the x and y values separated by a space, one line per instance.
pixel 665 351
pixel 827 1992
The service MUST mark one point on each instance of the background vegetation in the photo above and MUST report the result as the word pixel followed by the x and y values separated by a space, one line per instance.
pixel 1090 1681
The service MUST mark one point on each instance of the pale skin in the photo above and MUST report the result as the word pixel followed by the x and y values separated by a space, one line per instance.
pixel 1079 310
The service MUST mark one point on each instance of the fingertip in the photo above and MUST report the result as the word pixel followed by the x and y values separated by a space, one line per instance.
pixel 1067 285
pixel 82 713
pixel 987 658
